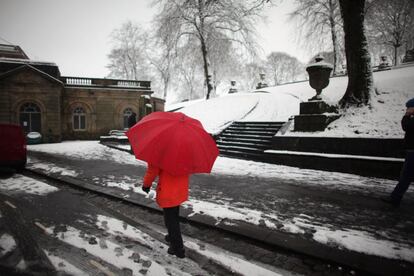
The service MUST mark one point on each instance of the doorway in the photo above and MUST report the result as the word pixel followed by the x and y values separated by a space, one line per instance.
pixel 30 118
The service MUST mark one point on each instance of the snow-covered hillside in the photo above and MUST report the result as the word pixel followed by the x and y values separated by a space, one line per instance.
pixel 380 119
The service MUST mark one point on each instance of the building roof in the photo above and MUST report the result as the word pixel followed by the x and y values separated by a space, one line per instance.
pixel 4 75
pixel 12 51
pixel 50 68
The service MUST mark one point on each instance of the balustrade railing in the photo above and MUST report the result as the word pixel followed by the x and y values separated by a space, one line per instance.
pixel 129 83
pixel 78 81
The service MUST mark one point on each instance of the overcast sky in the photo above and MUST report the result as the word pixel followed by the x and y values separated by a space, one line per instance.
pixel 75 34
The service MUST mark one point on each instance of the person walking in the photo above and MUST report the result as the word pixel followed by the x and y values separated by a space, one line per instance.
pixel 407 172
pixel 171 190
pixel 174 146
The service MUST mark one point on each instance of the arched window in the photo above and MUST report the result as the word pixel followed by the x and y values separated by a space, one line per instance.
pixel 79 118
pixel 126 115
pixel 30 117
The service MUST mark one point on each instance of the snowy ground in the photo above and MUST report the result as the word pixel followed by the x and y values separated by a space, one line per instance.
pixel 380 119
pixel 93 150
pixel 147 257
pixel 353 239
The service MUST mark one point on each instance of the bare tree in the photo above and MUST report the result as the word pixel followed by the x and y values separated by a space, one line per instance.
pixel 360 80
pixel 205 19
pixel 391 22
pixel 126 59
pixel 283 67
pixel 250 73
pixel 319 19
pixel 161 53
pixel 189 73
pixel 226 62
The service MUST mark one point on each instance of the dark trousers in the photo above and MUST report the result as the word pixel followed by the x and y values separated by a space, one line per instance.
pixel 172 222
pixel 406 177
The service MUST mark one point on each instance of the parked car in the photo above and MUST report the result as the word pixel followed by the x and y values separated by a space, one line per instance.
pixel 13 150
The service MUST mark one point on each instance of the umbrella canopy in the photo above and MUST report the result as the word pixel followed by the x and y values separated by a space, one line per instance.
pixel 173 142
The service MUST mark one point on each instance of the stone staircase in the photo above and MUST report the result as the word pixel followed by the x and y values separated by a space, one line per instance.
pixel 247 139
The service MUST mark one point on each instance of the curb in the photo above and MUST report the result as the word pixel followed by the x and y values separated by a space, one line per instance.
pixel 292 242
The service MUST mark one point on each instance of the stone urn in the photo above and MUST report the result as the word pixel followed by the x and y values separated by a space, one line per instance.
pixel 233 88
pixel 384 65
pixel 319 74
pixel 262 83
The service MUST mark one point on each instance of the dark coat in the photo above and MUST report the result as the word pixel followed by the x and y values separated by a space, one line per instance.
pixel 407 124
pixel 132 120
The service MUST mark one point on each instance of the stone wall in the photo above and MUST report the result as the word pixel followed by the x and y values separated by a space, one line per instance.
pixel 104 110
pixel 29 86
pixel 157 104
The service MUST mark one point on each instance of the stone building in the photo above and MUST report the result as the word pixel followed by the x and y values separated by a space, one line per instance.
pixel 35 95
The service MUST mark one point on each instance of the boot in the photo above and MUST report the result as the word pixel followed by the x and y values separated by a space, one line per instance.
pixel 390 200
pixel 180 253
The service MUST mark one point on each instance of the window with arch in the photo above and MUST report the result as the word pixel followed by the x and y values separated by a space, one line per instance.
pixel 128 120
pixel 79 118
pixel 30 117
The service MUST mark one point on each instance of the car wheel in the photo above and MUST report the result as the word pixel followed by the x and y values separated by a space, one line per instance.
pixel 20 167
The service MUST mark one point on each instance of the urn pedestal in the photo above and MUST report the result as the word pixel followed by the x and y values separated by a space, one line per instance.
pixel 316 114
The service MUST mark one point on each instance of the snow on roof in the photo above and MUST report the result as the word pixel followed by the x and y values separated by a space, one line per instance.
pixel 27 61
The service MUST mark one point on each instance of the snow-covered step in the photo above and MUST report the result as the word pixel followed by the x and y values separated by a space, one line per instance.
pixel 247 139
pixel 241 154
pixel 387 167
pixel 257 127
pixel 336 156
pixel 258 123
pixel 242 144
pixel 245 145
pixel 248 131
pixel 273 130
pixel 240 148
pixel 242 135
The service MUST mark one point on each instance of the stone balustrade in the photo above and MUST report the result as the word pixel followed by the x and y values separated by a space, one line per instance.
pixel 103 82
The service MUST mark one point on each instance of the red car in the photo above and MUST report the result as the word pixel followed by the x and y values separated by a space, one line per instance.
pixel 13 151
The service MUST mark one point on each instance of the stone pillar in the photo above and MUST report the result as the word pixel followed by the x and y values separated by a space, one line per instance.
pixel 315 116
pixel 145 105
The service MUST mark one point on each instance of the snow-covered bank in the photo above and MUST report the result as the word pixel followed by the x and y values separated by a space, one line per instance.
pixel 380 119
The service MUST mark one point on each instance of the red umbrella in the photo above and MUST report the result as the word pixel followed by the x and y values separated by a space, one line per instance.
pixel 173 142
